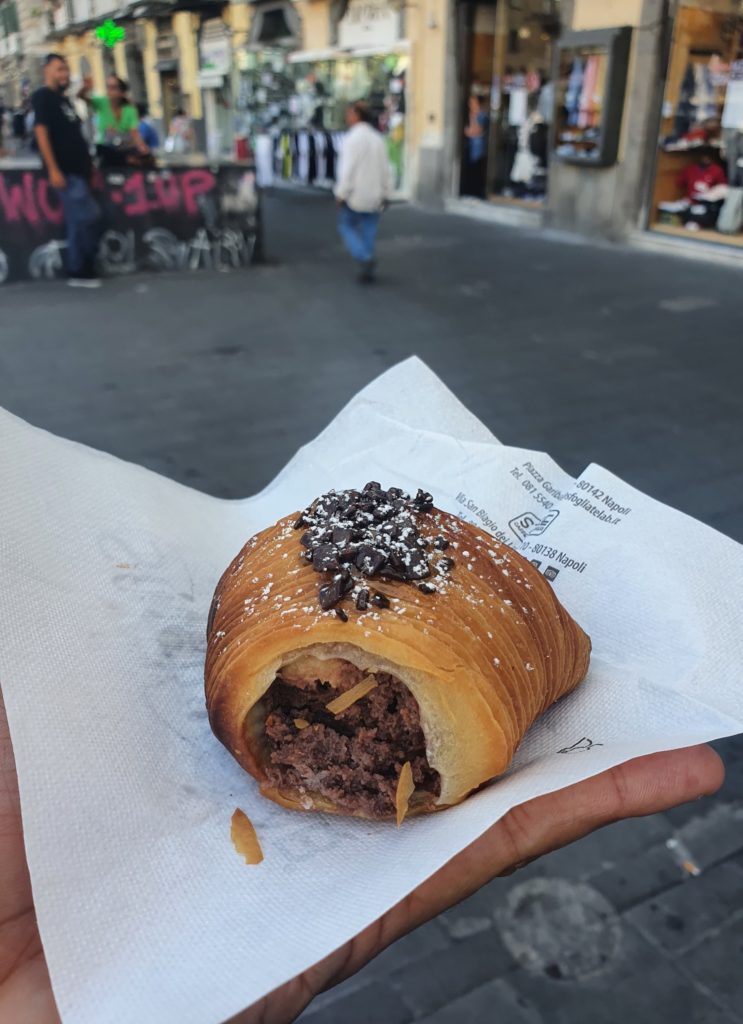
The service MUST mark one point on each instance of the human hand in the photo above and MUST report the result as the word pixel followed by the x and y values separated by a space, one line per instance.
pixel 25 990
pixel 643 786
pixel 57 179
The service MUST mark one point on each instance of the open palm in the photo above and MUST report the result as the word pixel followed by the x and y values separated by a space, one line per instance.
pixel 643 786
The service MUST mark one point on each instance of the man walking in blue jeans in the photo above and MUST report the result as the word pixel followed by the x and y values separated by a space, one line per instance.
pixel 363 189
pixel 69 165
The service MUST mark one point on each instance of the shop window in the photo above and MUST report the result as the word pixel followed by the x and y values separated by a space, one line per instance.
pixel 592 79
pixel 301 105
pixel 698 185
pixel 508 98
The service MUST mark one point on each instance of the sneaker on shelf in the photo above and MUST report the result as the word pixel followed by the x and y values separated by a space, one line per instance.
pixel 84 282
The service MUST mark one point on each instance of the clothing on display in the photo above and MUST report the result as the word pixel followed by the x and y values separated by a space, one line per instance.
pixel 733 142
pixel 730 218
pixel 732 111
pixel 573 93
pixel 307 157
pixel 525 163
pixel 546 102
pixel 589 105
pixel 518 105
pixel 699 170
pixel 581 108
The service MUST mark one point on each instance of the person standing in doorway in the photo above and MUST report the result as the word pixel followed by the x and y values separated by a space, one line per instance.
pixel 68 163
pixel 476 148
pixel 363 189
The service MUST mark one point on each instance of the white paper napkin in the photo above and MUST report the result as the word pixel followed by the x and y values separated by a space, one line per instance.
pixel 146 912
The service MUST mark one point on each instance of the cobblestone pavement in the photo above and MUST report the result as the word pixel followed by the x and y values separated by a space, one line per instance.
pixel 597 354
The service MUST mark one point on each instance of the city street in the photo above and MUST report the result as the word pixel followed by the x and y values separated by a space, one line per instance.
pixel 593 353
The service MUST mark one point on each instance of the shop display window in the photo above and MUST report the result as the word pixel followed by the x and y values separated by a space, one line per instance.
pixel 508 100
pixel 285 98
pixel 698 185
pixel 591 85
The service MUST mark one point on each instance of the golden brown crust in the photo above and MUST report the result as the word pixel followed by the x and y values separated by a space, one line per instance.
pixel 484 656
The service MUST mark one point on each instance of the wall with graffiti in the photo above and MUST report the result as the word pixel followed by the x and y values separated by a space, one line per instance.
pixel 178 218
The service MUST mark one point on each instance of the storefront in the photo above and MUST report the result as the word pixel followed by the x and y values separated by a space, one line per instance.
pixel 619 120
pixel 214 80
pixel 294 99
pixel 508 102
pixel 698 181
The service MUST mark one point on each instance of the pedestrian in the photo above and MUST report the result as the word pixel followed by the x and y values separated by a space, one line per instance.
pixel 147 130
pixel 363 189
pixel 180 135
pixel 68 163
pixel 476 148
pixel 117 123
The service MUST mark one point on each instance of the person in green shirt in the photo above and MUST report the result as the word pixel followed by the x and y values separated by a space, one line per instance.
pixel 117 120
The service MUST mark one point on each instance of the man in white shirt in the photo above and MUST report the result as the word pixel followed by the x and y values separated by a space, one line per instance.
pixel 363 188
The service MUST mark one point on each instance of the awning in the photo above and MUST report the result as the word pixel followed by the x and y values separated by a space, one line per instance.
pixel 310 56
pixel 335 53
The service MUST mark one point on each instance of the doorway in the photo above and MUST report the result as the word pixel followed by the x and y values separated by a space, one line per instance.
pixel 508 101
pixel 170 92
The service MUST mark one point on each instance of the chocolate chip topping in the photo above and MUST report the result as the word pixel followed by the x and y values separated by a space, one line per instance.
pixel 369 534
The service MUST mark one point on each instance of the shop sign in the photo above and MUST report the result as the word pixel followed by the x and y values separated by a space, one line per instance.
pixel 214 48
pixel 369 23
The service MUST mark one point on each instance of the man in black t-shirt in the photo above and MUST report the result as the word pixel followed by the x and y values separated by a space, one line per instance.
pixel 66 156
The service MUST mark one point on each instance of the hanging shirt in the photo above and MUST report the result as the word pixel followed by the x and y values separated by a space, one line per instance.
pixel 303 157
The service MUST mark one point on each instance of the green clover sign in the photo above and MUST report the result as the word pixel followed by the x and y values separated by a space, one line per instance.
pixel 109 33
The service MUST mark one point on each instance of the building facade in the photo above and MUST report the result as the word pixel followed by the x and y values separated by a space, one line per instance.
pixel 244 69
pixel 613 119
pixel 23 27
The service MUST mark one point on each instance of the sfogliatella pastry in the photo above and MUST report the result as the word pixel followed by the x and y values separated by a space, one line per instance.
pixel 375 656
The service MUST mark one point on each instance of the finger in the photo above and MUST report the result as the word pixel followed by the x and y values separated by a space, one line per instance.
pixel 15 885
pixel 645 785
pixel 642 786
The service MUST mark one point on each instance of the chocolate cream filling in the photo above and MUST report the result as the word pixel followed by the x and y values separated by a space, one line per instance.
pixel 352 758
